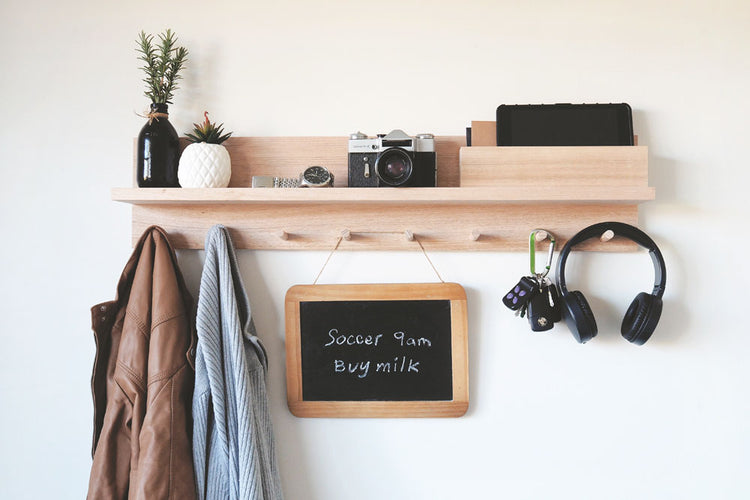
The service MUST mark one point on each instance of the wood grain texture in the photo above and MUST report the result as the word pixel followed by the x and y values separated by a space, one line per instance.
pixel 495 195
pixel 506 192
pixel 373 226
pixel 483 133
pixel 378 409
pixel 560 167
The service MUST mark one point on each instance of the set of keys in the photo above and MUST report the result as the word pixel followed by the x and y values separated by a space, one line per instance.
pixel 535 296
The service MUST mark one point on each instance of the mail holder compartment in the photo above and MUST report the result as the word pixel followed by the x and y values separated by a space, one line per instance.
pixel 487 199
pixel 554 166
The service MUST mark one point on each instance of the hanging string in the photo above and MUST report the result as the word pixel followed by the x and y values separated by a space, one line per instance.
pixel 428 259
pixel 338 242
pixel 326 262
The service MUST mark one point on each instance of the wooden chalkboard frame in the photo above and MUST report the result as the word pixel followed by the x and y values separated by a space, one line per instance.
pixel 452 292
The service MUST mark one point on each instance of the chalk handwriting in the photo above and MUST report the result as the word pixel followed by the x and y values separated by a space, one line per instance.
pixel 363 368
pixel 411 341
pixel 400 364
pixel 360 367
pixel 352 339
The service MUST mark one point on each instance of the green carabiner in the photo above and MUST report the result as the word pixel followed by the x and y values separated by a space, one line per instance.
pixel 532 252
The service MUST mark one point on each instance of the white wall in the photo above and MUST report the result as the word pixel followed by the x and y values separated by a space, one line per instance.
pixel 548 418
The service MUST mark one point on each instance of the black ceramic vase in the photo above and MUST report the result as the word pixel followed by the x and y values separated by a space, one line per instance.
pixel 158 150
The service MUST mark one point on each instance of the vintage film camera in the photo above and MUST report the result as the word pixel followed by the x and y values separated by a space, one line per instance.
pixel 392 160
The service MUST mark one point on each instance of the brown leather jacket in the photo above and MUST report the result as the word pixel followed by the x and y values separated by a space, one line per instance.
pixel 143 380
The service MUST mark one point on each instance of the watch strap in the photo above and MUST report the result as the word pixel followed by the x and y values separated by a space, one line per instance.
pixel 285 182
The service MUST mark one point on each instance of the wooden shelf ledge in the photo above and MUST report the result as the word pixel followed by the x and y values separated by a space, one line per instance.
pixel 409 196
pixel 452 219
pixel 504 193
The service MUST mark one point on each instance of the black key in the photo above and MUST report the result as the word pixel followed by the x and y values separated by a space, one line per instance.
pixel 544 308
pixel 540 313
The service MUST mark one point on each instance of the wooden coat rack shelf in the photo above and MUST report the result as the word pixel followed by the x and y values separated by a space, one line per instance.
pixel 504 193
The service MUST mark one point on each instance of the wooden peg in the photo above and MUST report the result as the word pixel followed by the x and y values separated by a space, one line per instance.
pixel 607 235
pixel 283 235
pixel 409 235
pixel 475 235
pixel 346 234
pixel 541 236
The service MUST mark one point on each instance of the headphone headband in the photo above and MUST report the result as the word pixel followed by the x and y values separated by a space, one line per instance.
pixel 620 229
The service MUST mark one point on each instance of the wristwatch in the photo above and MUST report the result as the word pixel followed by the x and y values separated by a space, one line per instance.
pixel 316 176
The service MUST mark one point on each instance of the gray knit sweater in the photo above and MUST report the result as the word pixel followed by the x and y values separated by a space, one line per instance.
pixel 233 444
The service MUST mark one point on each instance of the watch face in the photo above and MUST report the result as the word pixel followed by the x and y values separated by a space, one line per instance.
pixel 317 175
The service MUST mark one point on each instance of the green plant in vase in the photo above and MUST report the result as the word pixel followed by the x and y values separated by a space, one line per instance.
pixel 162 65
pixel 158 143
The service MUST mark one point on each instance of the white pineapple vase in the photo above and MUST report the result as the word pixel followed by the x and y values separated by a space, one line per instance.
pixel 204 165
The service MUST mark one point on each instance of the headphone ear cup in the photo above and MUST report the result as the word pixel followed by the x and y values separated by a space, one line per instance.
pixel 641 318
pixel 579 317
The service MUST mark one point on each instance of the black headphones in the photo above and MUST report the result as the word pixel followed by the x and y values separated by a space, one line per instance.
pixel 643 314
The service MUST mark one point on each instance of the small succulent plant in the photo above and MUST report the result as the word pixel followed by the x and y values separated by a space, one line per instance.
pixel 208 132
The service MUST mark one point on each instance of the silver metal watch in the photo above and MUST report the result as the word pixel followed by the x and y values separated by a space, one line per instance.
pixel 316 176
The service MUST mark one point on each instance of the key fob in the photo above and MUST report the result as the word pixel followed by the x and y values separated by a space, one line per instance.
pixel 544 308
pixel 540 312
pixel 520 294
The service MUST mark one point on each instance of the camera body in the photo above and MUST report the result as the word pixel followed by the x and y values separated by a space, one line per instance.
pixel 392 160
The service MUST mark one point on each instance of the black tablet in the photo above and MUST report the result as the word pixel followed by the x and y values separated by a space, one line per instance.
pixel 564 125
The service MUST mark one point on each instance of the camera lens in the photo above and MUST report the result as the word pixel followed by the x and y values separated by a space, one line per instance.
pixel 394 167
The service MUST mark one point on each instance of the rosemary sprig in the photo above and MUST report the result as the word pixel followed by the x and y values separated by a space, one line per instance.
pixel 162 65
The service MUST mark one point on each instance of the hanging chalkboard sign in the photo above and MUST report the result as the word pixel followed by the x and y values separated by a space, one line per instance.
pixel 385 350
